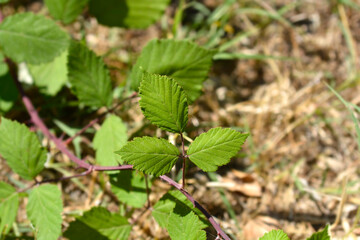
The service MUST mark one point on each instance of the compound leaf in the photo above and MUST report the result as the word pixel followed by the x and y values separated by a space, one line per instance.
pixel 128 13
pixel 164 102
pixel 150 155
pixel 129 187
pixel 51 77
pixel 102 223
pixel 111 136
pixel 44 211
pixel 9 204
pixel 275 235
pixel 26 37
pixel 89 76
pixel 65 10
pixel 181 60
pixel 185 227
pixel 21 149
pixel 322 235
pixel 215 148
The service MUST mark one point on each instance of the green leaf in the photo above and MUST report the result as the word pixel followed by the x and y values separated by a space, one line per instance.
pixel 163 102
pixel 79 230
pixel 150 155
pixel 181 60
pixel 8 93
pixel 21 149
pixel 128 13
pixel 44 211
pixel 51 77
pixel 165 206
pixel 3 66
pixel 30 38
pixel 322 235
pixel 89 76
pixel 66 10
pixel 185 227
pixel 4 1
pixel 111 136
pixel 9 204
pixel 129 187
pixel 215 148
pixel 275 235
pixel 101 223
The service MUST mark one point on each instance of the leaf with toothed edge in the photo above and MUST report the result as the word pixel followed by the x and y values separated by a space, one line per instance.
pixel 215 148
pixel 35 39
pixel 44 211
pixel 150 155
pixel 163 102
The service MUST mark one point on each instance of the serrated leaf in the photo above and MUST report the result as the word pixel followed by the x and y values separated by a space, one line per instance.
pixel 44 211
pixel 128 13
pixel 164 102
pixel 9 204
pixel 275 235
pixel 50 77
pixel 21 149
pixel 26 37
pixel 321 235
pixel 111 136
pixel 181 60
pixel 102 223
pixel 65 10
pixel 129 187
pixel 8 92
pixel 150 155
pixel 165 206
pixel 185 227
pixel 89 76
pixel 215 148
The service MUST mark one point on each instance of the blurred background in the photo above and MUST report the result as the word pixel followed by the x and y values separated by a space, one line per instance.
pixel 287 72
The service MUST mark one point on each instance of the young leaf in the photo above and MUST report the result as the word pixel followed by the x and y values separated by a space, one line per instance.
pixel 322 235
pixel 215 148
pixel 102 223
pixel 65 10
pixel 9 204
pixel 44 211
pixel 51 76
pixel 129 187
pixel 21 149
pixel 185 227
pixel 128 13
pixel 26 37
pixel 182 60
pixel 111 136
pixel 275 235
pixel 163 102
pixel 165 206
pixel 150 155
pixel 8 93
pixel 89 76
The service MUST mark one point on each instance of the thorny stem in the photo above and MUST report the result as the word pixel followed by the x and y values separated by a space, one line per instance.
pixel 90 168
